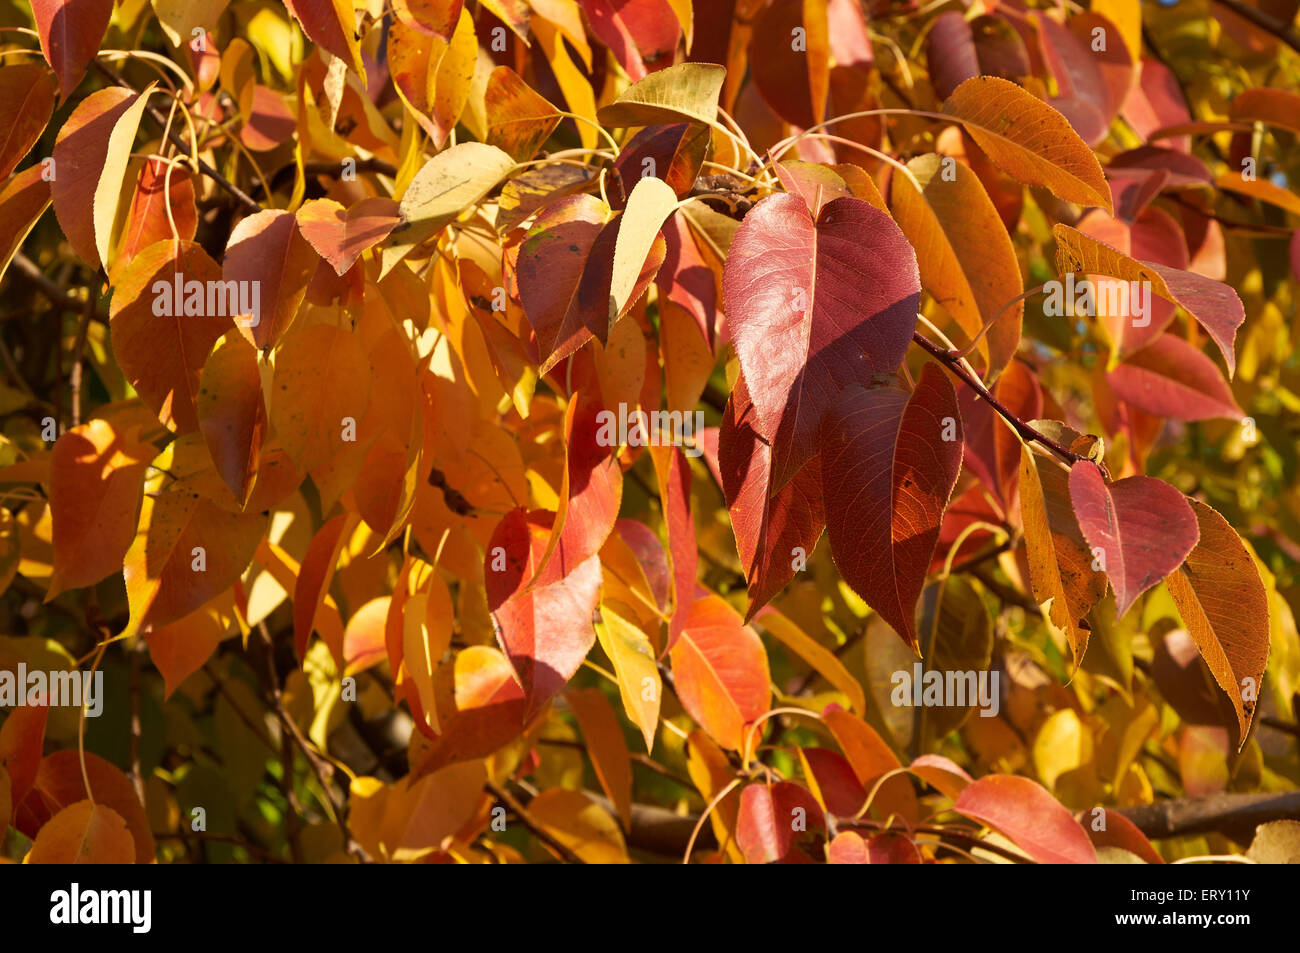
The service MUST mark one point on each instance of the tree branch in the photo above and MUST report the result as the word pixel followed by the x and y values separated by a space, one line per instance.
pixel 1231 814
pixel 954 366
pixel 1265 22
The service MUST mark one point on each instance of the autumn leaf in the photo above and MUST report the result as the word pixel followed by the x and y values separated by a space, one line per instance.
pixel 70 32
pixel 1028 816
pixel 1140 528
pixel 545 631
pixel 1028 139
pixel 164 326
pixel 340 235
pixel 889 463
pixel 26 101
pixel 1223 603
pixel 804 322
pixel 90 157
pixel 97 475
pixel 1212 303
pixel 720 672
pixel 773 819
pixel 519 120
pixel 83 833
pixel 966 258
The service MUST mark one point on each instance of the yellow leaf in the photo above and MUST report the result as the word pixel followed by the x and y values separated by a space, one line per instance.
pixel 648 207
pixel 1029 140
pixel 580 824
pixel 685 92
pixel 822 659
pixel 639 684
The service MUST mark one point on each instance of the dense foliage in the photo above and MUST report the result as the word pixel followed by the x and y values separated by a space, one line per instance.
pixel 604 430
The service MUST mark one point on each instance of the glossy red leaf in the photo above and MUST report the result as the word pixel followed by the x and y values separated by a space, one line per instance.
pixel 888 470
pixel 814 306
pixel 1022 811
pixel 1143 527
pixel 774 533
pixel 545 631
pixel 774 819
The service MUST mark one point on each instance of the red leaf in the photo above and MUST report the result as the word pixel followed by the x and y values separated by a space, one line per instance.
pixel 637 32
pixel 340 235
pixel 564 271
pixel 768 529
pixel 22 738
pixel 814 306
pixel 833 783
pixel 871 759
pixel 70 32
pixel 146 219
pixel 270 122
pixel 784 73
pixel 267 251
pixel 1170 378
pixel 329 24
pixel 591 490
pixel 888 474
pixel 545 631
pixel 26 102
pixel 720 672
pixel 80 153
pixel 674 478
pixel 686 280
pixel 1026 814
pixel 1144 527
pixel 773 819
pixel 480 708
pixel 1120 832
pixel 950 53
pixel 675 152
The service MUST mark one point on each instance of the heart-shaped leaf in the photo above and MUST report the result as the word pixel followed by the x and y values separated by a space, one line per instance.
pixel 341 235
pixel 813 306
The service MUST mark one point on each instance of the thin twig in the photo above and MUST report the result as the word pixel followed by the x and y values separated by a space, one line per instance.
pixel 510 801
pixel 950 361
